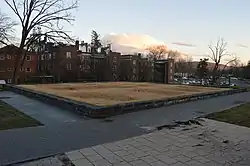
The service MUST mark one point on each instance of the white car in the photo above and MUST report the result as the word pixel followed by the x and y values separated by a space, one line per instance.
pixel 185 83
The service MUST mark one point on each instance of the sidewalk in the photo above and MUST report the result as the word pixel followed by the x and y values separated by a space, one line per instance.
pixel 63 131
pixel 214 143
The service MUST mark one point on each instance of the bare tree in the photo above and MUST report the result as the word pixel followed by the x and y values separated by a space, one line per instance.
pixel 219 54
pixel 184 65
pixel 180 66
pixel 6 29
pixel 233 61
pixel 173 54
pixel 190 67
pixel 49 15
pixel 157 52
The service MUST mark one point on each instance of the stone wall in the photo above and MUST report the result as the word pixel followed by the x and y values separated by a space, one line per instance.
pixel 94 111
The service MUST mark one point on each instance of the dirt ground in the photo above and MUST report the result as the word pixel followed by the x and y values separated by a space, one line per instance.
pixel 117 92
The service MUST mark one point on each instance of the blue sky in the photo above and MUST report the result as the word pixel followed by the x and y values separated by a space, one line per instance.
pixel 197 22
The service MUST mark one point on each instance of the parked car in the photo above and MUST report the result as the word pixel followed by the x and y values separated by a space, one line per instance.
pixel 233 85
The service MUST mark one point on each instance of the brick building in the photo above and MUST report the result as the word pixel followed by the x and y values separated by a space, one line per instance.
pixel 76 62
pixel 146 70
pixel 60 61
pixel 112 68
pixel 8 59
pixel 136 68
pixel 130 68
pixel 163 71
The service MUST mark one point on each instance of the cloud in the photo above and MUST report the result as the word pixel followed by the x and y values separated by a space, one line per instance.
pixel 130 43
pixel 184 44
pixel 242 45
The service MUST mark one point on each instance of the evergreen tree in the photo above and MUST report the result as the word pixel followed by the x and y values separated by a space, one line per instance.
pixel 96 44
pixel 202 69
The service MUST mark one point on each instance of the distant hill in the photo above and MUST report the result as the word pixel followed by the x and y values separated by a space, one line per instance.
pixel 210 65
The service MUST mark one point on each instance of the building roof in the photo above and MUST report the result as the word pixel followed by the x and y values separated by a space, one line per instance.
pixel 12 48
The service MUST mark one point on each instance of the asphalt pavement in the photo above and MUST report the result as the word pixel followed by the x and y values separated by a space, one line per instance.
pixel 65 131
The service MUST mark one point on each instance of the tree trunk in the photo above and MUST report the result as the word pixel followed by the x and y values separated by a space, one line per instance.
pixel 214 73
pixel 17 59
pixel 16 67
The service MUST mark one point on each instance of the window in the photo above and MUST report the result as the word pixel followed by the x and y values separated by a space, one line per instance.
pixel 134 62
pixel 21 69
pixel 81 67
pixel 2 70
pixel 114 59
pixel 28 69
pixel 134 70
pixel 9 69
pixel 171 77
pixel 9 81
pixel 54 55
pixel 68 66
pixel 28 58
pixel 42 57
pixel 8 56
pixel 171 71
pixel 68 55
pixel 171 64
pixel 2 57
pixel 49 56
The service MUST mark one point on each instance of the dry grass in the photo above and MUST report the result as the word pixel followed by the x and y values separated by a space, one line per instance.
pixel 118 92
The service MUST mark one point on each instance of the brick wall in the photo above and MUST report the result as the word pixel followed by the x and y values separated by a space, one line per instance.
pixel 8 57
pixel 170 71
pixel 61 61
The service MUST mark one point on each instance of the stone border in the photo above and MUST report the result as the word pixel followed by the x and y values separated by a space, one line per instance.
pixel 94 111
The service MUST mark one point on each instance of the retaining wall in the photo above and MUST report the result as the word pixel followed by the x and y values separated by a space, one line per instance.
pixel 94 111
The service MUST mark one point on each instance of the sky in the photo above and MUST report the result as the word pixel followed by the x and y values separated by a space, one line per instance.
pixel 193 22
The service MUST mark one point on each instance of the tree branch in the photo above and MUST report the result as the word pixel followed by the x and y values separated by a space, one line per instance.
pixel 45 14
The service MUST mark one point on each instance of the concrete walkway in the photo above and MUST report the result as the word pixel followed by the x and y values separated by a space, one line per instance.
pixel 65 131
pixel 212 144
pixel 46 114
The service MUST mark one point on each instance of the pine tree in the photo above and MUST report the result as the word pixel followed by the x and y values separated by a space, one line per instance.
pixel 96 44
pixel 202 68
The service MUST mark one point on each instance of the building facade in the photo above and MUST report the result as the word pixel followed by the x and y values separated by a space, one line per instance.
pixel 8 61
pixel 60 61
pixel 71 63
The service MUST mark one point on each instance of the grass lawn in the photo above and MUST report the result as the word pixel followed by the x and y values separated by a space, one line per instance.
pixel 110 93
pixel 238 115
pixel 11 118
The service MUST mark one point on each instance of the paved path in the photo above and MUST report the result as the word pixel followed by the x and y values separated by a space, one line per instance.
pixel 46 114
pixel 213 144
pixel 64 131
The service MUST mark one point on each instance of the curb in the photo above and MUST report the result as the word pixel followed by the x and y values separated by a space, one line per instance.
pixel 93 111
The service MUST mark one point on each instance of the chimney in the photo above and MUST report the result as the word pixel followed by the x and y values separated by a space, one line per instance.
pixel 139 55
pixel 77 44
